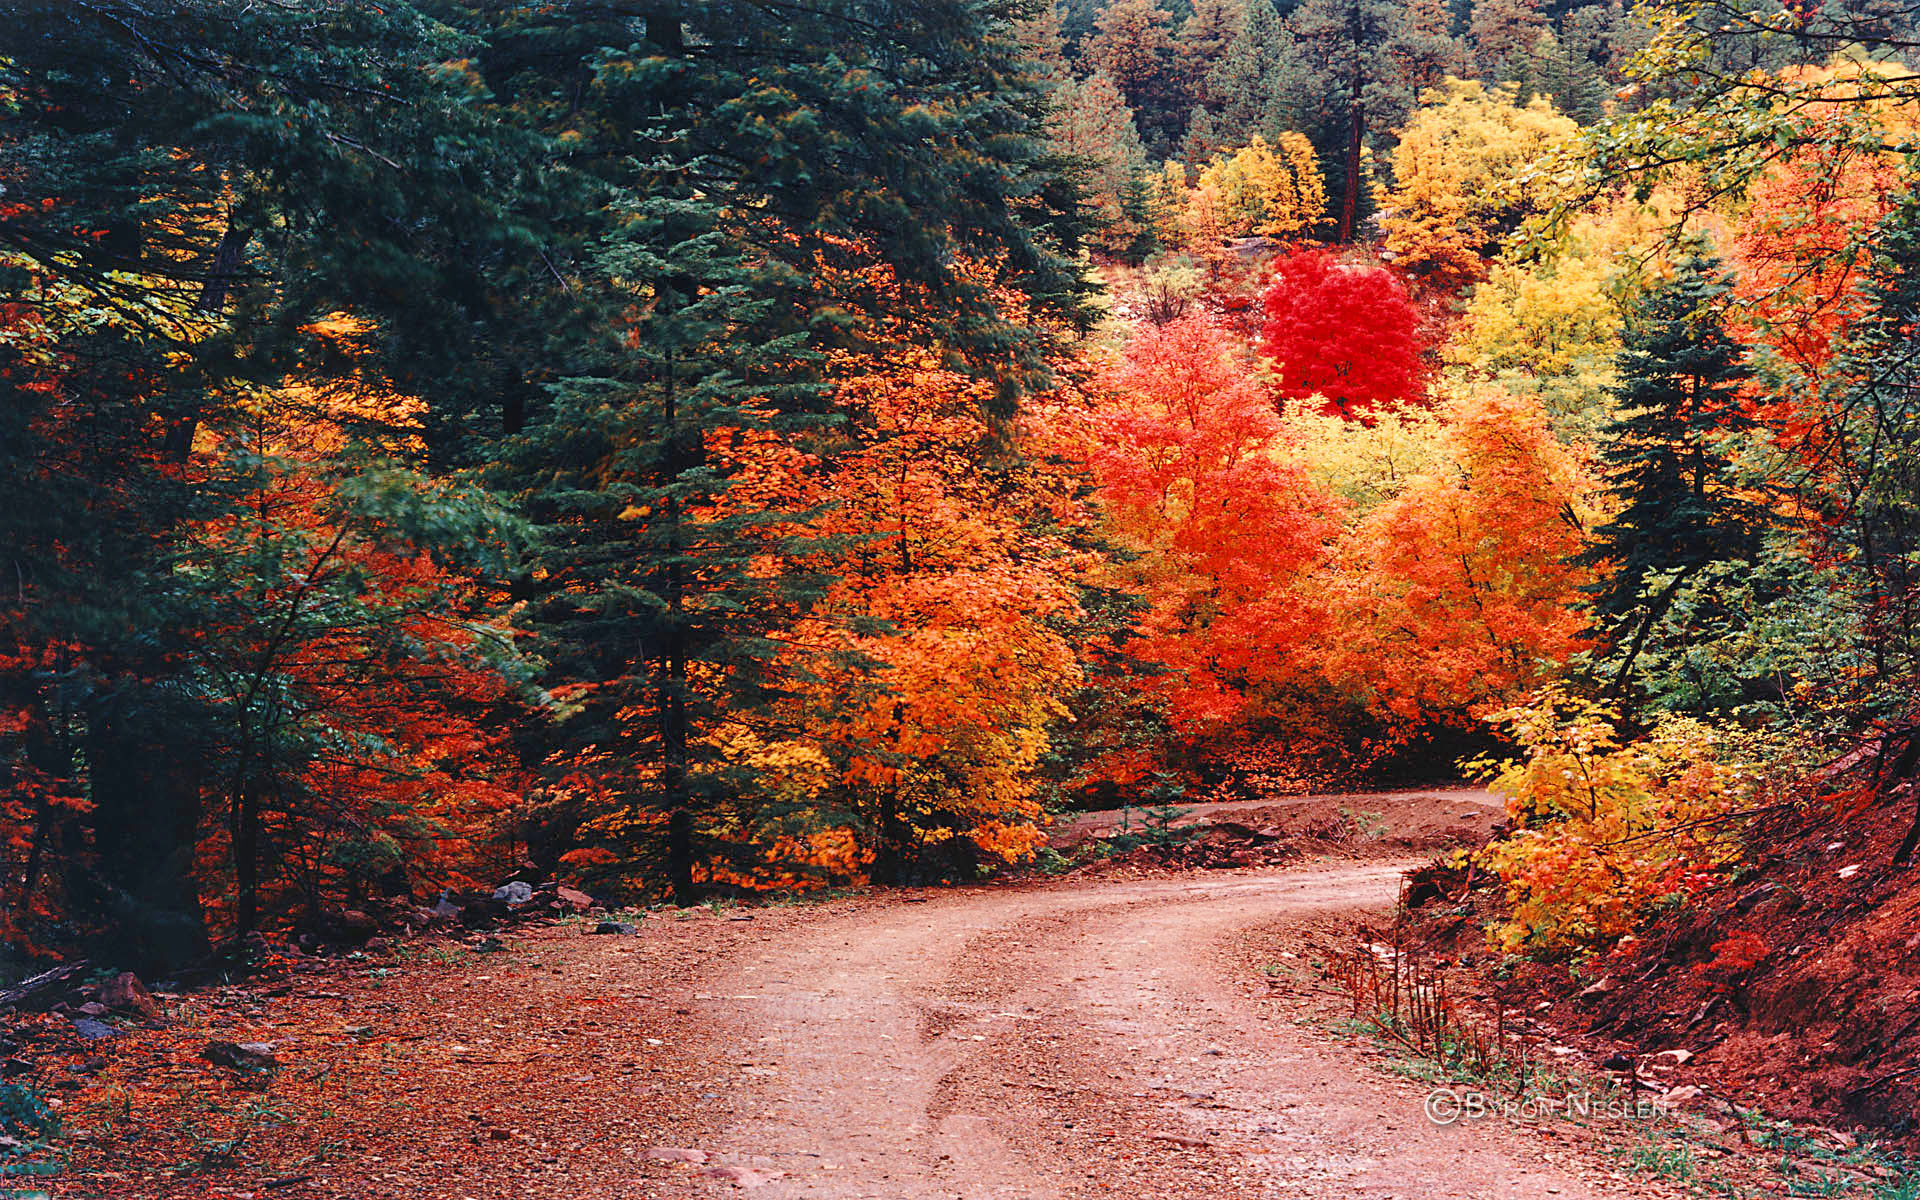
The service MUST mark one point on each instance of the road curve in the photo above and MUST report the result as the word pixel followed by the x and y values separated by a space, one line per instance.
pixel 1085 1039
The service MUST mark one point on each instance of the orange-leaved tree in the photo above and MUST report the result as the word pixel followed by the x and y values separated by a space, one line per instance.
pixel 1802 248
pixel 366 693
pixel 1456 596
pixel 927 674
pixel 1198 479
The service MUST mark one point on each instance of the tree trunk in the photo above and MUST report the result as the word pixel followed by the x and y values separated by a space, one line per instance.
pixel 223 266
pixel 49 751
pixel 145 825
pixel 1350 193
pixel 246 860
pixel 673 666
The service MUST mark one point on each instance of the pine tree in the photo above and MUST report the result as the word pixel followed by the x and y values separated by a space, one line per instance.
pixel 1361 94
pixel 1424 50
pixel 654 606
pixel 1203 137
pixel 1202 45
pixel 705 286
pixel 1600 34
pixel 1043 38
pixel 1258 85
pixel 1502 32
pixel 191 188
pixel 1093 125
pixel 1566 77
pixel 1133 45
pixel 1666 458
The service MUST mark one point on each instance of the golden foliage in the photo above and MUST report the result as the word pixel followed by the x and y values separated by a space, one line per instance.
pixel 1463 179
pixel 1605 827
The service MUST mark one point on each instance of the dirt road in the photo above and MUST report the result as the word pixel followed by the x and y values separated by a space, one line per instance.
pixel 1095 1035
pixel 1090 1039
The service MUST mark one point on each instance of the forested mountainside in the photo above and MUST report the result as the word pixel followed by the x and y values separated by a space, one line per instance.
pixel 694 449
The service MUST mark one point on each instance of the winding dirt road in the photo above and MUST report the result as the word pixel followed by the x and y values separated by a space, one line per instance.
pixel 1075 1040
pixel 1090 1036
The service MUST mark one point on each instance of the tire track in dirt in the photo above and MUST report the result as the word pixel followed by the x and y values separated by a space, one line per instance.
pixel 1077 1039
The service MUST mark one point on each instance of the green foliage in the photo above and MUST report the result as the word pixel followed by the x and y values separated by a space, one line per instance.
pixel 1560 72
pixel 727 225
pixel 1668 456
pixel 31 1130
pixel 1157 820
pixel 1722 89
pixel 1859 467
pixel 1092 125
pixel 554 259
pixel 1768 641
pixel 195 192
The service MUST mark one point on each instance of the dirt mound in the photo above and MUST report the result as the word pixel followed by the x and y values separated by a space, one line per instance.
pixel 1422 819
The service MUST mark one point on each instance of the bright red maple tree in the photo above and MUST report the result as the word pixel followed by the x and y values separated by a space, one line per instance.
pixel 1341 331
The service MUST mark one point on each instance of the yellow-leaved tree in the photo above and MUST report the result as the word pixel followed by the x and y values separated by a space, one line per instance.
pixel 1604 827
pixel 1167 196
pixel 1271 190
pixel 1366 463
pixel 1464 178
pixel 1546 320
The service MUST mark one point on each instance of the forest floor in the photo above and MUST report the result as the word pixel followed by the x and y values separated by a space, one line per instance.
pixel 1128 1032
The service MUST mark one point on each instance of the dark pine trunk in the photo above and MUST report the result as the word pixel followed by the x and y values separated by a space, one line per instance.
pixel 1350 193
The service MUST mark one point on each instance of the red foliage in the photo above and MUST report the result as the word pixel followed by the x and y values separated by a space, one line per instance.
pixel 1344 332
pixel 1734 958
pixel 1804 245
pixel 1193 469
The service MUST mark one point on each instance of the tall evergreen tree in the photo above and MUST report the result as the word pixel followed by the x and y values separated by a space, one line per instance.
pixel 1042 36
pixel 1093 126
pixel 1502 33
pixel 191 189
pixel 751 174
pixel 1361 95
pixel 1133 45
pixel 1202 44
pixel 1260 81
pixel 1566 77
pixel 1424 50
pixel 1667 457
pixel 1602 35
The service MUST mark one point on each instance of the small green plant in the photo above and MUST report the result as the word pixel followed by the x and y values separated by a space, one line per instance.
pixel 224 1150
pixel 28 1148
pixel 1370 825
pixel 1671 1162
pixel 444 955
pixel 1156 820
pixel 1048 861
